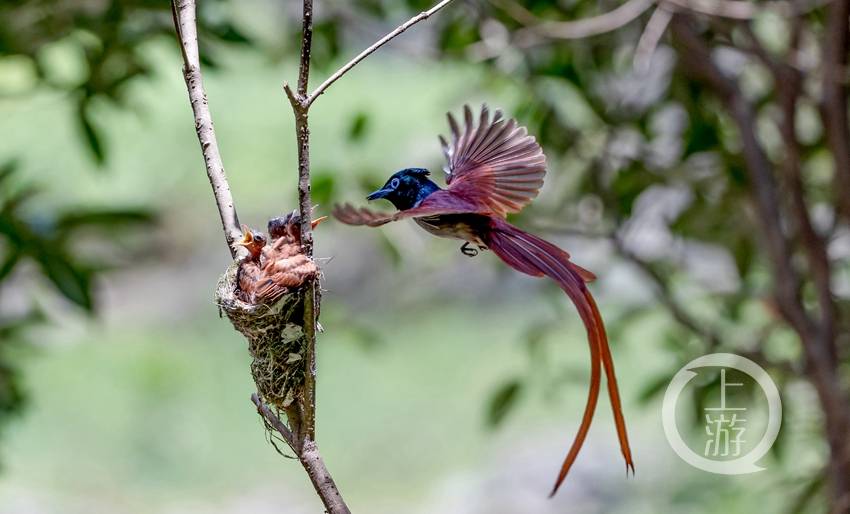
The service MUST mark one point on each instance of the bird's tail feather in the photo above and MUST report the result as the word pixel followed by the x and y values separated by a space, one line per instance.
pixel 534 256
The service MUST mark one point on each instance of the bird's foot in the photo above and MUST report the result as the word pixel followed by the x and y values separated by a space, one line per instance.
pixel 468 250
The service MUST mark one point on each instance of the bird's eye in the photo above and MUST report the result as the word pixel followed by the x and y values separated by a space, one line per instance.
pixel 394 183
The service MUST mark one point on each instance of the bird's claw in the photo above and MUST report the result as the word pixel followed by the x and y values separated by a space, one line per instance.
pixel 468 251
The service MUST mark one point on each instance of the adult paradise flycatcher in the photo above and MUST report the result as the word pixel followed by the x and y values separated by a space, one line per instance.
pixel 495 168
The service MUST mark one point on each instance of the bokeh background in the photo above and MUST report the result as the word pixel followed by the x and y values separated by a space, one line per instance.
pixel 446 384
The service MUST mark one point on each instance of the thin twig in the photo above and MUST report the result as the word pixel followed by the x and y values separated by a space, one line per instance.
pixel 665 296
pixel 535 27
pixel 652 33
pixel 738 10
pixel 587 27
pixel 766 197
pixel 722 8
pixel 789 87
pixel 302 414
pixel 183 12
pixel 424 15
pixel 306 48
pixel 310 459
pixel 834 102
pixel 273 420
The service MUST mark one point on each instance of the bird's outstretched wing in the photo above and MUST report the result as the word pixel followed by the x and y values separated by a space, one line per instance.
pixel 494 164
pixel 438 203
pixel 351 215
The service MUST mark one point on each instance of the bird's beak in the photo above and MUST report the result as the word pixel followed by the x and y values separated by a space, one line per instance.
pixel 380 193
pixel 247 237
pixel 315 222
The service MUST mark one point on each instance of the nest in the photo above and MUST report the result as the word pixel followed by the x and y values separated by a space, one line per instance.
pixel 275 332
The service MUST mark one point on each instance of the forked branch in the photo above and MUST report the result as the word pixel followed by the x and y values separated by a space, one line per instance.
pixel 300 432
pixel 310 458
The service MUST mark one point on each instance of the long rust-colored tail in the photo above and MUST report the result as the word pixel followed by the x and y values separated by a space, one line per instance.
pixel 534 256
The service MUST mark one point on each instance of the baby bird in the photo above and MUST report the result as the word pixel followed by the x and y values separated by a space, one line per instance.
pixel 251 269
pixel 271 270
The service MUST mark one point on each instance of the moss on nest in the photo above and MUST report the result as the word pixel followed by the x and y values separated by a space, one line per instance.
pixel 275 336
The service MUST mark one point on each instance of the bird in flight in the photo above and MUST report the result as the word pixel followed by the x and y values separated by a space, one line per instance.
pixel 494 168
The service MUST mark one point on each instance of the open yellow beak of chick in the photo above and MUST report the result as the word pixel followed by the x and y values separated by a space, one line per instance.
pixel 247 237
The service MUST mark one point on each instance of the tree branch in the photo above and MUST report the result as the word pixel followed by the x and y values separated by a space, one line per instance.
pixel 300 437
pixel 834 101
pixel 733 9
pixel 788 81
pixel 535 27
pixel 183 12
pixel 652 33
pixel 665 296
pixel 300 434
pixel 587 27
pixel 365 53
pixel 766 198
pixel 310 459
pixel 302 414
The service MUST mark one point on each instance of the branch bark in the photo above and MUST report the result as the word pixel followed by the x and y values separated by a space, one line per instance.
pixel 183 12
pixel 789 87
pixel 300 434
pixel 534 28
pixel 303 416
pixel 834 101
pixel 651 36
pixel 310 459
pixel 586 27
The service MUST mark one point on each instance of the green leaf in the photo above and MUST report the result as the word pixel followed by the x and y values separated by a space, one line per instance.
pixel 322 188
pixel 230 33
pixel 7 169
pixel 74 283
pixel 106 218
pixel 9 263
pixel 358 127
pixel 502 401
pixel 655 386
pixel 91 134
pixel 807 494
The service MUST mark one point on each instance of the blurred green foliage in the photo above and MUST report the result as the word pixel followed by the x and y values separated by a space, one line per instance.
pixel 51 241
pixel 90 52
pixel 631 149
pixel 94 50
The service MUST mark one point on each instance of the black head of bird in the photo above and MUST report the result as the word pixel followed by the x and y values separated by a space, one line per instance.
pixel 406 188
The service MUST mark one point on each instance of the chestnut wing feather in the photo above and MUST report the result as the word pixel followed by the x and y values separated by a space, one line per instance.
pixel 440 202
pixel 494 163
